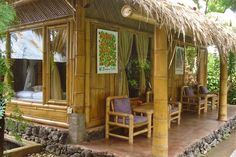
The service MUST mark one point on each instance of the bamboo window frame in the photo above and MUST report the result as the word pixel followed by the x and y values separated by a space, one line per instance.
pixel 44 26
pixel 47 64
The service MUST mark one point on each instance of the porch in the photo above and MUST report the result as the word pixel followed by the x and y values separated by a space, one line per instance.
pixel 192 129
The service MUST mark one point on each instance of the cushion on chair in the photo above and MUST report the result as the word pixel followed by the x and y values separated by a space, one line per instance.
pixel 122 105
pixel 173 108
pixel 189 91
pixel 137 119
pixel 203 90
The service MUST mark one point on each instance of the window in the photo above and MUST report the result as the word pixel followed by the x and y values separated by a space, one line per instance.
pixel 191 64
pixel 27 56
pixel 133 71
pixel 57 62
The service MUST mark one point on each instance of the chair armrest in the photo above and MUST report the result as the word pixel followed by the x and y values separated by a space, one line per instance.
pixel 175 104
pixel 122 117
pixel 187 98
pixel 147 113
pixel 120 114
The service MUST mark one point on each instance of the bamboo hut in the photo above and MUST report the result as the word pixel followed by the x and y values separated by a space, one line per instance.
pixel 57 76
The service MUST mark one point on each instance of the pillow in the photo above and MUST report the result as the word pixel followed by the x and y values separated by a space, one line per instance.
pixel 37 96
pixel 24 94
pixel 203 90
pixel 37 88
pixel 122 105
pixel 189 91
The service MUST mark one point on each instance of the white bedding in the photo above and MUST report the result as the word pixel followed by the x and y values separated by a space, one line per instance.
pixel 29 95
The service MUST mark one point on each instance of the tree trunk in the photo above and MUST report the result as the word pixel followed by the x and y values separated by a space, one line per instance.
pixel 2 125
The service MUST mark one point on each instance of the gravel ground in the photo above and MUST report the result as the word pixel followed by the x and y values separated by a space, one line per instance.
pixel 42 154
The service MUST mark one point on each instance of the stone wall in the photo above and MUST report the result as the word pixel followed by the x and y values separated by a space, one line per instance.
pixel 201 147
pixel 55 141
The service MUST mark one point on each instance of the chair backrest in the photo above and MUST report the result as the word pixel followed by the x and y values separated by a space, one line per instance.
pixel 118 104
pixel 186 91
pixel 149 96
pixel 202 89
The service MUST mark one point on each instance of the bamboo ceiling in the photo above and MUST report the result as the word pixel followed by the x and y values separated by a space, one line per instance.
pixel 184 20
pixel 42 10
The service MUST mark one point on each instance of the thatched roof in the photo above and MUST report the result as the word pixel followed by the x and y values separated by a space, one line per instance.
pixel 182 19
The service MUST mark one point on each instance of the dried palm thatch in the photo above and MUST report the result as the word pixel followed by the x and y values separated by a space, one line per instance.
pixel 182 19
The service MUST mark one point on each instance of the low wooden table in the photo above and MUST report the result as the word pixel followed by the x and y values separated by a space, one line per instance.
pixel 145 108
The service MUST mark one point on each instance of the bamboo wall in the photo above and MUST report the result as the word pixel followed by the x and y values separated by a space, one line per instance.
pixel 46 114
pixel 101 85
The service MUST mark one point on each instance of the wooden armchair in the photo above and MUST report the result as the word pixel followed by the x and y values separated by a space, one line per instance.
pixel 119 115
pixel 212 98
pixel 175 109
pixel 174 112
pixel 191 101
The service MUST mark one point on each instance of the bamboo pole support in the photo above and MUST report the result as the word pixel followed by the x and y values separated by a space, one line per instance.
pixel 222 115
pixel 87 74
pixel 160 87
pixel 8 78
pixel 79 69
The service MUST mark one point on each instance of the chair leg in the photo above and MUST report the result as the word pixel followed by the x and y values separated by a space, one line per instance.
pixel 131 130
pixel 131 135
pixel 107 131
pixel 179 120
pixel 205 107
pixel 149 133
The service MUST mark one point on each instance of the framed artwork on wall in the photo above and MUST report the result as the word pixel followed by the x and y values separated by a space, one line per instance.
pixel 179 60
pixel 107 51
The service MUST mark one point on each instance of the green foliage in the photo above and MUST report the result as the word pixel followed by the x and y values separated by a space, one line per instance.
pixel 213 79
pixel 232 78
pixel 6 91
pixel 16 123
pixel 7 15
pixel 219 5
pixel 133 73
pixel 191 65
pixel 214 75
pixel 190 57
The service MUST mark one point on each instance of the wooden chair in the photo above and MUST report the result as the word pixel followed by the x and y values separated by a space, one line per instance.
pixel 191 101
pixel 174 112
pixel 175 109
pixel 212 98
pixel 119 115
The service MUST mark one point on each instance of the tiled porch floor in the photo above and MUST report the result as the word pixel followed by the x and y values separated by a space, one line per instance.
pixel 192 128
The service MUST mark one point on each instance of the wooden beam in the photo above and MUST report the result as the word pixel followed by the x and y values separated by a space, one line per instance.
pixel 128 12
pixel 160 88
pixel 22 2
pixel 222 115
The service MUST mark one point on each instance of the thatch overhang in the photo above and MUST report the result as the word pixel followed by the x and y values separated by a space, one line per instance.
pixel 182 19
pixel 35 11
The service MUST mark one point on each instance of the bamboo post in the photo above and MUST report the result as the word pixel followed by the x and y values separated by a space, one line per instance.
pixel 87 74
pixel 79 71
pixel 160 86
pixel 8 78
pixel 222 115
pixel 77 118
